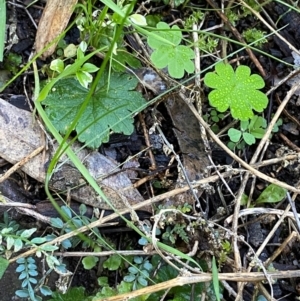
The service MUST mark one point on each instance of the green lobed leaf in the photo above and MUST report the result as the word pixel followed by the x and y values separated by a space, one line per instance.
pixel 258 133
pixel 105 111
pixel 176 57
pixel 236 90
pixel 271 194
pixel 165 35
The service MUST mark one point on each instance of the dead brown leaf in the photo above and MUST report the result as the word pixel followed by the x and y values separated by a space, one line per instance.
pixel 54 20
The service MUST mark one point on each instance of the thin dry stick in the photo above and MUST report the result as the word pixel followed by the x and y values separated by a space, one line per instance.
pixel 147 141
pixel 272 232
pixel 252 170
pixel 106 219
pixel 26 209
pixel 205 277
pixel 276 160
pixel 282 81
pixel 293 235
pixel 252 161
pixel 21 163
pixel 266 211
pixel 264 291
pixel 233 155
pixel 104 253
pixel 238 36
pixel 289 143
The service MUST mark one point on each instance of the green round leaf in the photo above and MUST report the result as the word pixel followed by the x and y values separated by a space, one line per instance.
pixel 57 222
pixel 18 245
pixel 138 19
pixel 70 51
pixel 89 262
pixel 45 290
pixel 248 138
pixel 57 65
pixel 234 135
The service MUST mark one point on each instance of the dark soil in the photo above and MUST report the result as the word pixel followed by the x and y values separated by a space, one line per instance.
pixel 253 228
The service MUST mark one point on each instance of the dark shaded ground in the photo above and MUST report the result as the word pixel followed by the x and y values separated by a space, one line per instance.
pixel 282 143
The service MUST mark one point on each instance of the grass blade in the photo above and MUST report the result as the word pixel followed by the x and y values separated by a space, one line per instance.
pixel 2 27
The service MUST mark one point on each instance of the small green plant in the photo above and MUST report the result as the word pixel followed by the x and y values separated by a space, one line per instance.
pixel 253 4
pixel 28 273
pixel 233 16
pixel 213 117
pixel 255 35
pixel 106 110
pixel 193 18
pixel 169 52
pixel 207 43
pixel 99 28
pixel 249 132
pixel 12 62
pixel 174 231
pixel 139 273
pixel 237 91
pixel 83 73
pixel 226 250
pixel 107 291
pixel 271 194
pixel 174 3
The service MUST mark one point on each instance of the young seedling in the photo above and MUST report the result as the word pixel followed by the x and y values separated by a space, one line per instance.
pixel 249 132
